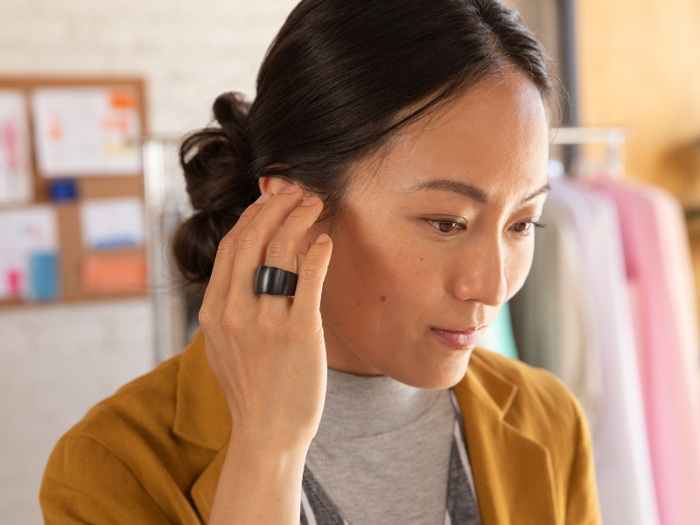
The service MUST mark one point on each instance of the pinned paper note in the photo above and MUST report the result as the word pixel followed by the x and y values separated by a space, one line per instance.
pixel 43 276
pixel 110 273
pixel 112 223
pixel 87 131
pixel 15 170
pixel 29 253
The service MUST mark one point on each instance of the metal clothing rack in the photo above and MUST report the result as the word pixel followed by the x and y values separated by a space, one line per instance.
pixel 692 212
pixel 613 138
pixel 167 205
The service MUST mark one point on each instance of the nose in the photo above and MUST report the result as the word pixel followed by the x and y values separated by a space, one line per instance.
pixel 481 271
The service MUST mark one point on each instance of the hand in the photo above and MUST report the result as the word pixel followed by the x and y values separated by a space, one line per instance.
pixel 268 352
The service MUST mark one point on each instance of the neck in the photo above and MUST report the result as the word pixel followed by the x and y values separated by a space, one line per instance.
pixel 359 406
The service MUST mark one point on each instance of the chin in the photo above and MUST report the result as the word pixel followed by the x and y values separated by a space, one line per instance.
pixel 434 374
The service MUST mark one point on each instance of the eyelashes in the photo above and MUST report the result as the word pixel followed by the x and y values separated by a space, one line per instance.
pixel 447 227
pixel 532 224
pixel 443 223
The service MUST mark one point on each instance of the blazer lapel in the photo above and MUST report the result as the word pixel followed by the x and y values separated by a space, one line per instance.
pixel 204 488
pixel 202 417
pixel 513 474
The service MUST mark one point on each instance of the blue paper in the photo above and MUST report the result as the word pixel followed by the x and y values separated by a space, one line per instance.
pixel 64 190
pixel 43 276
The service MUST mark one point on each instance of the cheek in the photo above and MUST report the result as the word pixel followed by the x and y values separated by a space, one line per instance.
pixel 376 277
pixel 518 266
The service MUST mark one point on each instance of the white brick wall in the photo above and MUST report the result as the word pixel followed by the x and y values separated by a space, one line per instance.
pixel 57 361
pixel 188 50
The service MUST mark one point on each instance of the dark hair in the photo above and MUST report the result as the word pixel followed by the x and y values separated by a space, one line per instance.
pixel 330 90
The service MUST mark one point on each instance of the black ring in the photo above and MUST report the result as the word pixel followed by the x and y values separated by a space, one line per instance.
pixel 271 280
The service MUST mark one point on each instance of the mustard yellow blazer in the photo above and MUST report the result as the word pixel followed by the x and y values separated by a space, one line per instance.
pixel 153 452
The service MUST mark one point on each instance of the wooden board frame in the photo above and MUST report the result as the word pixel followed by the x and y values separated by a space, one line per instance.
pixel 71 249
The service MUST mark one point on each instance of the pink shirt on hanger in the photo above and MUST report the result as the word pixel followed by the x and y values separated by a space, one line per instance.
pixel 573 317
pixel 679 268
pixel 652 252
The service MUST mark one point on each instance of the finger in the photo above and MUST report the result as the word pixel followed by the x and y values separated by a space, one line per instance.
pixel 220 280
pixel 253 240
pixel 283 248
pixel 312 274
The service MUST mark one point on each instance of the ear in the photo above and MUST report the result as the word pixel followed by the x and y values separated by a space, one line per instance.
pixel 273 184
pixel 276 184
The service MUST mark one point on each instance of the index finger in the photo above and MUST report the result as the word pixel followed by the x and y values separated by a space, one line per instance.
pixel 221 274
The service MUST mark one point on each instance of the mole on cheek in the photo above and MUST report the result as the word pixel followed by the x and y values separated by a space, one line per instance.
pixel 421 258
pixel 358 304
pixel 383 297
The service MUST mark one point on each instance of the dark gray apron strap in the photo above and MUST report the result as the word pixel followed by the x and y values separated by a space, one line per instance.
pixel 316 507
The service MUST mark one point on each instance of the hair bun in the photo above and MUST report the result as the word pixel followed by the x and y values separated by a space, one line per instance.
pixel 215 161
pixel 231 112
pixel 196 242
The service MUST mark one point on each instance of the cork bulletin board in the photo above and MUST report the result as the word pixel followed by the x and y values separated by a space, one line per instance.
pixel 84 271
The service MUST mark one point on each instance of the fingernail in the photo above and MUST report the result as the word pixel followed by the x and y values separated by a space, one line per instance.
pixel 263 198
pixel 322 238
pixel 310 201
pixel 290 189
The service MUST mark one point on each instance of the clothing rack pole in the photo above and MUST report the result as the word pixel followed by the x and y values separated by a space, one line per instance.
pixel 154 185
pixel 168 308
pixel 613 138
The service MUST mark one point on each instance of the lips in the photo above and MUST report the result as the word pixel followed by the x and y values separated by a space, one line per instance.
pixel 458 339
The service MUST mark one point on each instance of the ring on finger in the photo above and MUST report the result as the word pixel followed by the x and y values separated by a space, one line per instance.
pixel 270 280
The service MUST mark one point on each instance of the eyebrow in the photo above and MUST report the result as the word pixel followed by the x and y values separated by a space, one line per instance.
pixel 467 190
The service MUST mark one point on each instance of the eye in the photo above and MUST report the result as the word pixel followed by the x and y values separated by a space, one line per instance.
pixel 444 226
pixel 525 228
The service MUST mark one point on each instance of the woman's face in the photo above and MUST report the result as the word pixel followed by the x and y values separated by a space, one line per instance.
pixel 437 236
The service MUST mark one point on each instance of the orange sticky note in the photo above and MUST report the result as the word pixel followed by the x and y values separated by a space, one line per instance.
pixel 109 273
pixel 123 99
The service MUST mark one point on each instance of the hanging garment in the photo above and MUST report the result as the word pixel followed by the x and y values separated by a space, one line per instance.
pixel 621 448
pixel 552 313
pixel 460 505
pixel 592 257
pixel 499 337
pixel 678 262
pixel 670 409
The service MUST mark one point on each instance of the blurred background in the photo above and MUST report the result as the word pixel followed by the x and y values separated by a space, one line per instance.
pixel 94 96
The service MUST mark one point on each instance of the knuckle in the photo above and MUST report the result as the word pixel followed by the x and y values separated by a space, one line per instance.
pixel 279 249
pixel 229 323
pixel 299 220
pixel 311 324
pixel 247 216
pixel 299 215
pixel 310 273
pixel 274 204
pixel 227 245
pixel 292 332
pixel 249 238
pixel 205 317
pixel 261 323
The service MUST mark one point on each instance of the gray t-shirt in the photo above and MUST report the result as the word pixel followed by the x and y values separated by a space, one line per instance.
pixel 382 451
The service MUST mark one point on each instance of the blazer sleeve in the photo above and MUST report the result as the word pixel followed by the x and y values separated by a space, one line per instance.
pixel 582 506
pixel 86 483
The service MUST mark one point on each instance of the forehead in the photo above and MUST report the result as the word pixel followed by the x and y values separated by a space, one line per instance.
pixel 494 137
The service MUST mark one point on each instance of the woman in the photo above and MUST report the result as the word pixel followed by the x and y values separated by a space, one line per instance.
pixel 410 139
